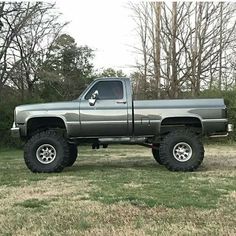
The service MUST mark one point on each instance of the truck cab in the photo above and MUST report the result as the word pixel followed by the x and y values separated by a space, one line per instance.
pixel 106 108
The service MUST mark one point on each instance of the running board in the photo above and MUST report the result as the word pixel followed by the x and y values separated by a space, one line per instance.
pixel 122 140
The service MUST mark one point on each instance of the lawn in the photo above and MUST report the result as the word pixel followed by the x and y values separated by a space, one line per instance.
pixel 119 191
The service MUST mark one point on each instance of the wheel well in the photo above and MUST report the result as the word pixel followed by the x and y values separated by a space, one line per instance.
pixel 168 124
pixel 44 123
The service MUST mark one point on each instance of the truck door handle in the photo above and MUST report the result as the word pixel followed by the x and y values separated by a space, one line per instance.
pixel 121 102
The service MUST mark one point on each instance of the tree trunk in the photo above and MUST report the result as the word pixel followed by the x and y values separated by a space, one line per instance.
pixel 157 60
pixel 194 53
pixel 200 49
pixel 221 49
pixel 174 81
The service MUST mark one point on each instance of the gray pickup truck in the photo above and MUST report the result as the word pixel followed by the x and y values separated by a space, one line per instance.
pixel 106 113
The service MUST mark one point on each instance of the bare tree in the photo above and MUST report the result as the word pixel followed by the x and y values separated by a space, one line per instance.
pixel 27 32
pixel 14 17
pixel 194 43
pixel 142 19
pixel 157 47
pixel 174 81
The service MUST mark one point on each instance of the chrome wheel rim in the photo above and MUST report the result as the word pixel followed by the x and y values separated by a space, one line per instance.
pixel 182 152
pixel 46 154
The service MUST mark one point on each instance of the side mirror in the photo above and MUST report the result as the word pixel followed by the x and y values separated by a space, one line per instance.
pixel 93 98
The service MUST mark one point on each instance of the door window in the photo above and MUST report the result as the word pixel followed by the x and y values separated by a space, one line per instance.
pixel 107 90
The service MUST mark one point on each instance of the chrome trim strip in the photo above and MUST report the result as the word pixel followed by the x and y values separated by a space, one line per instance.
pixel 215 120
pixel 96 121
pixel 219 135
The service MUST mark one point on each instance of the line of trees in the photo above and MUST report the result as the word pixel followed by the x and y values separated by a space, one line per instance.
pixel 35 57
pixel 38 62
pixel 187 49
pixel 184 47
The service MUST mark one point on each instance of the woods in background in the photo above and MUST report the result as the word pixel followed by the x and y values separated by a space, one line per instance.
pixel 38 62
pixel 184 48
pixel 36 59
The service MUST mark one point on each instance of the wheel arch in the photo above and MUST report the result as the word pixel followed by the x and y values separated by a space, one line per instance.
pixel 193 122
pixel 43 122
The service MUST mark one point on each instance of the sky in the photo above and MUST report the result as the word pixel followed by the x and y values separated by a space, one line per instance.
pixel 105 26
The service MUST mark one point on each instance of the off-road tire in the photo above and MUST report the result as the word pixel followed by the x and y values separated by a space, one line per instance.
pixel 56 141
pixel 156 155
pixel 168 147
pixel 73 155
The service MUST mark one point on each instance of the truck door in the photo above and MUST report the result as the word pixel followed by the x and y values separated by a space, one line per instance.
pixel 109 115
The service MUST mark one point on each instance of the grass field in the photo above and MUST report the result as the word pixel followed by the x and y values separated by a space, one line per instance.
pixel 119 191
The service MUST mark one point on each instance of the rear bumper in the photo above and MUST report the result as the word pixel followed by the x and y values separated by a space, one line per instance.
pixel 15 131
pixel 230 128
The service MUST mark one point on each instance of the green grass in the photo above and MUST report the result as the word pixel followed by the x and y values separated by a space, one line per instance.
pixel 119 189
pixel 33 203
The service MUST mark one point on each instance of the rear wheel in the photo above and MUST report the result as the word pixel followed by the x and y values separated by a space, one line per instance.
pixel 181 150
pixel 46 152
pixel 156 155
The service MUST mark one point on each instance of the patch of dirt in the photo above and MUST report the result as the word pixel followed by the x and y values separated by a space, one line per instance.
pixel 220 158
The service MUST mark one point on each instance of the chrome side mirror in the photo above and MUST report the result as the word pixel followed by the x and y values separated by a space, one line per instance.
pixel 93 98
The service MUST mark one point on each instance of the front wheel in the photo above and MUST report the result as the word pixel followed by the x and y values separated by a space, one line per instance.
pixel 46 152
pixel 73 155
pixel 181 150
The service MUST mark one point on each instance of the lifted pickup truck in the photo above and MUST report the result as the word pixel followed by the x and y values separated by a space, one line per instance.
pixel 106 113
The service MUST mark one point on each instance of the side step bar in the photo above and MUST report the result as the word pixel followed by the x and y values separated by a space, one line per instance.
pixel 122 140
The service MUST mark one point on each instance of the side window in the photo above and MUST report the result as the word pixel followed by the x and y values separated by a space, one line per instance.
pixel 107 90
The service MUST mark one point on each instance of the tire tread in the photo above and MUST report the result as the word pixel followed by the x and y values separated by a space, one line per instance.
pixel 45 134
pixel 165 146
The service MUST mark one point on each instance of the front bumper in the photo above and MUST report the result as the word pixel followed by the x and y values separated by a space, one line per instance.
pixel 15 131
